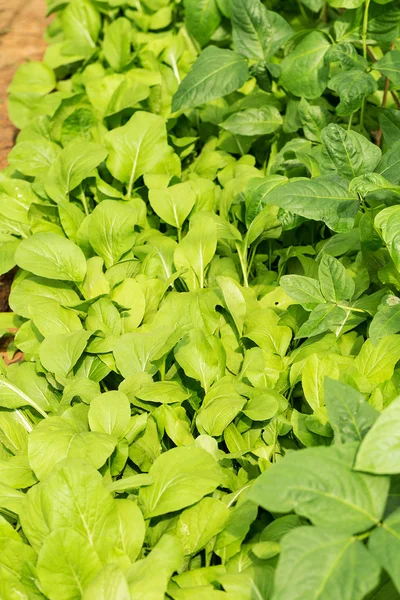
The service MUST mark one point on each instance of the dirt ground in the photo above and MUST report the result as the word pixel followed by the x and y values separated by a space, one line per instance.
pixel 22 25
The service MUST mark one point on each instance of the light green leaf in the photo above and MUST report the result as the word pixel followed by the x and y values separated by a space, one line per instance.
pixel 33 158
pixel 137 147
pixel 304 290
pixel 173 204
pixel 60 353
pixel 34 77
pixel 349 414
pixel 51 318
pixel 384 545
pixel 216 73
pixel 111 230
pixel 200 523
pixel 109 583
pixel 220 406
pixel 76 162
pixel 52 256
pixel 54 439
pixel 194 253
pixel 380 449
pixel 182 476
pixel 110 413
pixel 377 362
pixel 196 354
pixel 254 121
pixel 117 43
pixel 66 564
pixel 386 320
pixel 315 369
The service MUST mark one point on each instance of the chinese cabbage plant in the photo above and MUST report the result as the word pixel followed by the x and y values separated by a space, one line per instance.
pixel 203 203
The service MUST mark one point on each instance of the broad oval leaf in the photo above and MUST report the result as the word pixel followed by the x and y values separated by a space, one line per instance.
pixel 181 477
pixel 216 73
pixel 52 256
pixel 319 483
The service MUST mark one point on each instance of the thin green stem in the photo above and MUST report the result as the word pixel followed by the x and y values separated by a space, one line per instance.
pixel 350 122
pixel 365 28
pixel 243 264
pixel 84 203
pixel 362 114
pixel 351 308
pixel 302 11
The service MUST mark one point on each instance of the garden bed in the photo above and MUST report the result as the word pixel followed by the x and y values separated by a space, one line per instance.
pixel 201 212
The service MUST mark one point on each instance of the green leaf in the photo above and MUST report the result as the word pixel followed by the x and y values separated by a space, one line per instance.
pixel 34 77
pixel 389 65
pixel 389 120
pixel 377 362
pixel 110 582
pixel 195 252
pixel 386 320
pixel 324 199
pixel 110 413
pixel 350 153
pixel 336 284
pixel 319 484
pixel 196 354
pixel 200 523
pixel 304 290
pixel 202 18
pixel 182 476
pixel 257 33
pixel 117 43
pixel 349 414
pixel 387 220
pixel 384 545
pixel 215 73
pixel 34 158
pixel 380 449
pixel 173 204
pixel 303 71
pixel 353 87
pixel 137 147
pixel 52 256
pixel 336 565
pixel 66 564
pixel 60 353
pixel 76 162
pixel 254 121
pixel 220 406
pixel 111 230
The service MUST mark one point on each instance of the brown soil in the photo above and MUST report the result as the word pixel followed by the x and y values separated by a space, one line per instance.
pixel 22 24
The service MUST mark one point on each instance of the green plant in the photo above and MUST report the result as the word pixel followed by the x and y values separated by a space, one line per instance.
pixel 203 203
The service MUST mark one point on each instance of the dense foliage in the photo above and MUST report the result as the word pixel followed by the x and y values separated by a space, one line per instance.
pixel 204 205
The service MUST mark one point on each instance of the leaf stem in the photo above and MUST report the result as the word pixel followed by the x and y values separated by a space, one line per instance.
pixel 350 121
pixel 84 203
pixel 302 11
pixel 365 28
pixel 243 264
